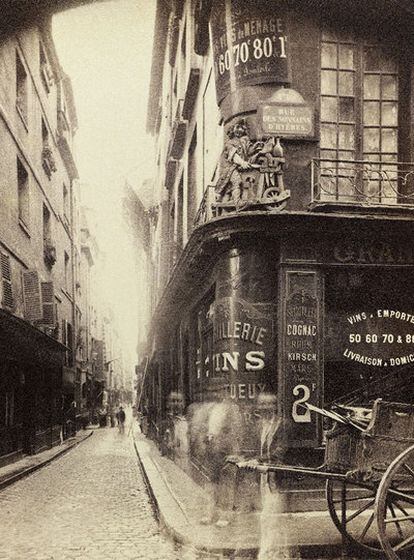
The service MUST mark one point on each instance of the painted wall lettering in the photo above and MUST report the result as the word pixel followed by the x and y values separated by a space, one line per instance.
pixel 250 44
pixel 301 350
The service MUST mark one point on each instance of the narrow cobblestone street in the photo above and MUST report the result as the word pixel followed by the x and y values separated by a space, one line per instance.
pixel 89 504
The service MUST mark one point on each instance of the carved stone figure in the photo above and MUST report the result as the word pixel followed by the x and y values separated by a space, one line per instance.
pixel 236 159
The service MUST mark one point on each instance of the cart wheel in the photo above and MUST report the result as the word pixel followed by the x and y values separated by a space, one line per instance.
pixel 352 509
pixel 395 507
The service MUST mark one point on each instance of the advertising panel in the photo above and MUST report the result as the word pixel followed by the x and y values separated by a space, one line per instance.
pixel 250 44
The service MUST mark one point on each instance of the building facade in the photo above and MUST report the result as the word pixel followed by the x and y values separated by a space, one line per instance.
pixel 37 180
pixel 281 245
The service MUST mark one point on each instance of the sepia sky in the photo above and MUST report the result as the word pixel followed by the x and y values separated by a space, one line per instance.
pixel 106 48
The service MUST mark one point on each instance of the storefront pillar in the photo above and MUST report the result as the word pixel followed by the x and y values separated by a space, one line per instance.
pixel 301 354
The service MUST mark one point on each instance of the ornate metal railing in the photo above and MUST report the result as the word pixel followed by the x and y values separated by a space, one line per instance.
pixel 363 181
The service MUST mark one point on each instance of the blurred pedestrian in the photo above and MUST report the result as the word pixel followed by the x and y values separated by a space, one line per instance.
pixel 224 434
pixel 121 420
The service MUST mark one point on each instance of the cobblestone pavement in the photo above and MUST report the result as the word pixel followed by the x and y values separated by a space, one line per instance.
pixel 89 504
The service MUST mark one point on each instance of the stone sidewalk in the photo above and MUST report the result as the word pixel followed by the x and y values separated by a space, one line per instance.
pixel 15 471
pixel 180 503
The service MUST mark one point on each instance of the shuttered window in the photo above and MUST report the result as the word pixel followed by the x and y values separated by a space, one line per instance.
pixel 48 304
pixel 32 300
pixel 7 299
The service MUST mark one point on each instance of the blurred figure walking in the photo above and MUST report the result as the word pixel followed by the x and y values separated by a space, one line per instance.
pixel 121 420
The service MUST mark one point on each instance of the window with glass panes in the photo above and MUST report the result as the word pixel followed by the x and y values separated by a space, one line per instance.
pixel 359 120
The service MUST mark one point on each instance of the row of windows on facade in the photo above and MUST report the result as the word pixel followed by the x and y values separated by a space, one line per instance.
pixel 24 217
pixel 22 84
pixel 22 104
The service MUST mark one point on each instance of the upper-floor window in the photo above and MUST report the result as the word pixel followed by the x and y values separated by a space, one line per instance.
pixel 45 69
pixel 21 89
pixel 47 232
pixel 66 203
pixel 192 185
pixel 48 159
pixel 67 272
pixel 49 250
pixel 359 120
pixel 23 194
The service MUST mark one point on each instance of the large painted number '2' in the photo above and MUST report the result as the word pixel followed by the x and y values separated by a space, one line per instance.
pixel 300 413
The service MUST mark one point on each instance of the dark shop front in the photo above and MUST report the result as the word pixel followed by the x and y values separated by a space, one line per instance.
pixel 30 388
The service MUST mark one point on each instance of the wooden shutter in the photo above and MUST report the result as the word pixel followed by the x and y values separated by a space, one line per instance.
pixel 48 304
pixel 31 292
pixel 7 292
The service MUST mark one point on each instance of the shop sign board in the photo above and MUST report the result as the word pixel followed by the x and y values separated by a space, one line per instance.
pixel 249 43
pixel 286 120
pixel 379 337
pixel 301 375
pixel 350 250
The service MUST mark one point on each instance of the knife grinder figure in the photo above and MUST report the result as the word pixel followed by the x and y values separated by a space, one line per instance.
pixel 235 159
pixel 251 172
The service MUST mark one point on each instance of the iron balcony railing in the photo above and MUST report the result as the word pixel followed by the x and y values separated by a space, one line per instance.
pixel 333 181
pixel 362 181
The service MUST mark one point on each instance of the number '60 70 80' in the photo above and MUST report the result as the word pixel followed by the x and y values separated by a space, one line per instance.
pixel 243 52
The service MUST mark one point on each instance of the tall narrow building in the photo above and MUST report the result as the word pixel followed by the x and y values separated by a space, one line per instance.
pixel 37 176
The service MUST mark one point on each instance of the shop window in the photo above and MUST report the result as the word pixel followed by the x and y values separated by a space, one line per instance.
pixel 358 341
pixel 23 194
pixel 7 403
pixel 359 120
pixel 21 90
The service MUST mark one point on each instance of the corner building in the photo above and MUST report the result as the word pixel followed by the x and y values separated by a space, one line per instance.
pixel 281 250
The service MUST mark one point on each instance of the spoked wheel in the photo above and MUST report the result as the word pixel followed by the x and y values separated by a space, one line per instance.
pixel 352 509
pixel 395 508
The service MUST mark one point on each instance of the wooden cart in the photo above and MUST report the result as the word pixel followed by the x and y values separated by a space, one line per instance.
pixel 369 476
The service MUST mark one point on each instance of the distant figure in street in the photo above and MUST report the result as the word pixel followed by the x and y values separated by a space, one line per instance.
pixel 121 420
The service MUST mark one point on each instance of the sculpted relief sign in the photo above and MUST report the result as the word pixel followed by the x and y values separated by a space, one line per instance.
pixel 250 44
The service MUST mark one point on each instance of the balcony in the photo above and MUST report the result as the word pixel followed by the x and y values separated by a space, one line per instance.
pixel 364 183
pixel 336 186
